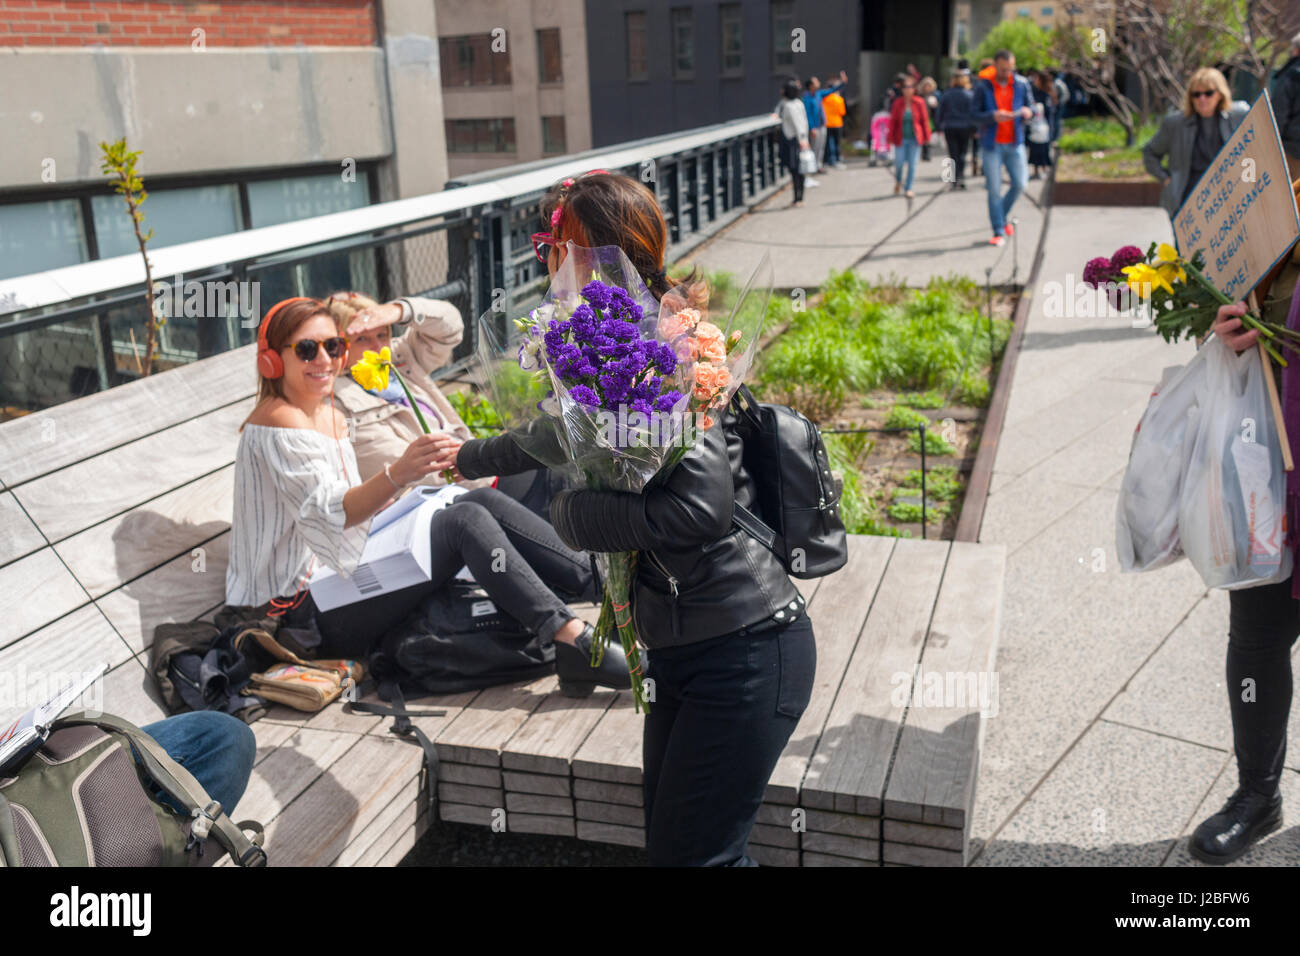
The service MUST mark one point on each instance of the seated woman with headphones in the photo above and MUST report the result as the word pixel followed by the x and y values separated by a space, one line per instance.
pixel 300 500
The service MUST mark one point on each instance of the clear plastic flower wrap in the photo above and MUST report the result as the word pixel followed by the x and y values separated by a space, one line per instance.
pixel 611 388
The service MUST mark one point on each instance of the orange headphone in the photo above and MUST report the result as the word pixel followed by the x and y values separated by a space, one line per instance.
pixel 269 363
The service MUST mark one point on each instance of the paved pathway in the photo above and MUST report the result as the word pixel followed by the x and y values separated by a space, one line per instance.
pixel 1112 738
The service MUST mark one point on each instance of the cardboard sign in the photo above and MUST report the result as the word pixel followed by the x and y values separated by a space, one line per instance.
pixel 1241 213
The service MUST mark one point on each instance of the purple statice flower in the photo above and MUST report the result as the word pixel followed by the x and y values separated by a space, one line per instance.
pixel 642 406
pixel 1124 257
pixel 616 329
pixel 1097 271
pixel 666 401
pixel 584 396
pixel 598 294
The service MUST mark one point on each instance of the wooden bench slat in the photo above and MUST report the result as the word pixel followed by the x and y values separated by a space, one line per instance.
pixel 404 804
pixel 295 764
pixel 52 439
pixel 774 836
pixel 825 859
pixel 35 591
pixel 772 856
pixel 599 812
pixel 399 838
pixel 316 828
pixel 478 734
pixel 404 843
pixel 602 791
pixel 852 847
pixel 173 592
pixel 923 834
pixel 110 553
pixel 470 774
pixel 612 751
pixel 540 823
pixel 551 785
pixel 18 535
pixel 848 768
pixel 933 779
pixel 471 796
pixel 81 495
pixel 131 692
pixel 536 803
pixel 548 739
pixel 838 609
pixel 843 824
pixel 611 833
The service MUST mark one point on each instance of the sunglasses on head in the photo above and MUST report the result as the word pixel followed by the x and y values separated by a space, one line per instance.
pixel 306 349
pixel 1197 94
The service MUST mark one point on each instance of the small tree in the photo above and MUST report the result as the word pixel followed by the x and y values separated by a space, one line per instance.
pixel 120 164
pixel 1031 44
pixel 1090 49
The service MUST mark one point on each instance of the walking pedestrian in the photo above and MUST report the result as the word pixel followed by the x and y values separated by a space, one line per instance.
pixel 794 134
pixel 1040 129
pixel 816 122
pixel 833 105
pixel 926 90
pixel 909 127
pixel 1002 107
pixel 955 118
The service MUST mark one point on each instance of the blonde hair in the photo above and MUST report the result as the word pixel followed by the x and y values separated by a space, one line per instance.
pixel 927 86
pixel 1207 76
pixel 962 80
pixel 343 306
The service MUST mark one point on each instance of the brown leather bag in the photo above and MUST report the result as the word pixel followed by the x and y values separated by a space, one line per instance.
pixel 294 682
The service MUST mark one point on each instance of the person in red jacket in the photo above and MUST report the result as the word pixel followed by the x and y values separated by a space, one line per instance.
pixel 909 130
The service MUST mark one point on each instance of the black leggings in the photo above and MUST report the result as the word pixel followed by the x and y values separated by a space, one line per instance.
pixel 1263 624
pixel 958 140
pixel 513 554
pixel 790 155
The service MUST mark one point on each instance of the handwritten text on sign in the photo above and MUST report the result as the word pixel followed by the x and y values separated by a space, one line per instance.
pixel 1241 214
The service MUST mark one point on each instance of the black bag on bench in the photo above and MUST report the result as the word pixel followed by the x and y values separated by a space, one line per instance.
pixel 457 640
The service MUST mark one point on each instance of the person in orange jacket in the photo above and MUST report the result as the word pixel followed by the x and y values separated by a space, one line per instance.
pixel 833 105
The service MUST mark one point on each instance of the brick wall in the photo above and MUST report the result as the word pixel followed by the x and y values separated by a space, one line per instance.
pixel 226 23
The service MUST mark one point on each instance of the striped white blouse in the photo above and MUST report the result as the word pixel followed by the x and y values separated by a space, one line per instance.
pixel 289 509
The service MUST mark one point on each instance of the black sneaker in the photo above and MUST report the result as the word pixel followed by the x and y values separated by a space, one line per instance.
pixel 1245 818
pixel 573 665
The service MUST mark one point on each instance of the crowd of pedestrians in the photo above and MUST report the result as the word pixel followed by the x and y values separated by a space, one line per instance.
pixel 1007 121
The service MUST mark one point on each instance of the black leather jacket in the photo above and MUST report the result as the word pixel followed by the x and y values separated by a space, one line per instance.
pixel 697 576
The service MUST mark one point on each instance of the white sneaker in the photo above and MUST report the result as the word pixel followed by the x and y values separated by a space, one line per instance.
pixel 809 181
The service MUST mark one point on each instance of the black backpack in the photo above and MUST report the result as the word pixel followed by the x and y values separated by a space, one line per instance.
pixel 798 516
pixel 457 640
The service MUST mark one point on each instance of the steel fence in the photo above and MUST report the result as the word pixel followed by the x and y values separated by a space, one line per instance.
pixel 73 331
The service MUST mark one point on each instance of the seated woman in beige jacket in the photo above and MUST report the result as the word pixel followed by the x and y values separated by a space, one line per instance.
pixel 382 425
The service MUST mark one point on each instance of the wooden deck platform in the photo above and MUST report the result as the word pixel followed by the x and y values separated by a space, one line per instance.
pixel 114 515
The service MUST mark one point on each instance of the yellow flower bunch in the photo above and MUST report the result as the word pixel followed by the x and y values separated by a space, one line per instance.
pixel 1168 269
pixel 371 372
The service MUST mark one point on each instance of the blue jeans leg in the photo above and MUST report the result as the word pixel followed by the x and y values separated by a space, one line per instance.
pixel 993 184
pixel 1014 158
pixel 905 156
pixel 217 749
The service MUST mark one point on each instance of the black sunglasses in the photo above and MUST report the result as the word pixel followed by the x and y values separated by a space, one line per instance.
pixel 306 349
pixel 1199 93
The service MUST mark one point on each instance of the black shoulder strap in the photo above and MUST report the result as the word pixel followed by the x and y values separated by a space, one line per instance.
pixel 402 726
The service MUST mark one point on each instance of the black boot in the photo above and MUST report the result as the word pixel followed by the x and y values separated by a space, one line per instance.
pixel 573 665
pixel 1246 817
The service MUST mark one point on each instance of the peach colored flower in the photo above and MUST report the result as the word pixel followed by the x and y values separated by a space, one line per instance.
pixel 679 323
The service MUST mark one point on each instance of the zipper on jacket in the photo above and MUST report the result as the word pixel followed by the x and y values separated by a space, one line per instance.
pixel 672 591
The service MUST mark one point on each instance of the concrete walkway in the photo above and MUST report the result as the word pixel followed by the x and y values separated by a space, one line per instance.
pixel 1112 739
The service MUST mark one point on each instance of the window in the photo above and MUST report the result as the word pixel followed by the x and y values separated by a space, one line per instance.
pixel 1047 11
pixel 553 134
pixel 175 216
pixel 638 59
pixel 273 201
pixel 1023 12
pixel 683 33
pixel 732 43
pixel 548 57
pixel 471 61
pixel 782 25
pixel 481 135
pixel 35 236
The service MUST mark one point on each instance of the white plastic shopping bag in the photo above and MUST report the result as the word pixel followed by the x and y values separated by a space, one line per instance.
pixel 1231 510
pixel 1146 517
pixel 807 162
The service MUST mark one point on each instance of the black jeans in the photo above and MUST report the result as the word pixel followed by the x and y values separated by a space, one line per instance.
pixel 790 155
pixel 958 140
pixel 722 712
pixel 1262 626
pixel 513 554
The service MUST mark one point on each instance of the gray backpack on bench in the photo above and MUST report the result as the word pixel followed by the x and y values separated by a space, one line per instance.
pixel 80 800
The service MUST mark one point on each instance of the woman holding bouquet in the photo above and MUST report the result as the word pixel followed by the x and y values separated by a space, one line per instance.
pixel 730 648
pixel 300 501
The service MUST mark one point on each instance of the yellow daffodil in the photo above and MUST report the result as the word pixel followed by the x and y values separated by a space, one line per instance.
pixel 1142 279
pixel 1168 263
pixel 1166 253
pixel 371 372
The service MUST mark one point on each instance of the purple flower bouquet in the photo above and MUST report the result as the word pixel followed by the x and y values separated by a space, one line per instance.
pixel 596 385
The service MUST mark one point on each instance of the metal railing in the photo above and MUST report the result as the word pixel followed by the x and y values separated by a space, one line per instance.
pixel 76 330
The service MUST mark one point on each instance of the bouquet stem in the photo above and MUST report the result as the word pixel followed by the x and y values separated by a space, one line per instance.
pixel 1266 329
pixel 616 621
pixel 415 407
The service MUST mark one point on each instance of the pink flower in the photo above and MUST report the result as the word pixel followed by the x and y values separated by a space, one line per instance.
pixel 711 343
pixel 678 324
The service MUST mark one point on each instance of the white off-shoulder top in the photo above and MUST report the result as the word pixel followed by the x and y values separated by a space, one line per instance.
pixel 288 509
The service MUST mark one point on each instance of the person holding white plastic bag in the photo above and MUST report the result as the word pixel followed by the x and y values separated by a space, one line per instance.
pixel 1262 627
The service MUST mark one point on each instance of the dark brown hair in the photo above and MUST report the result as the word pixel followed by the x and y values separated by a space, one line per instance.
pixel 283 324
pixel 610 209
